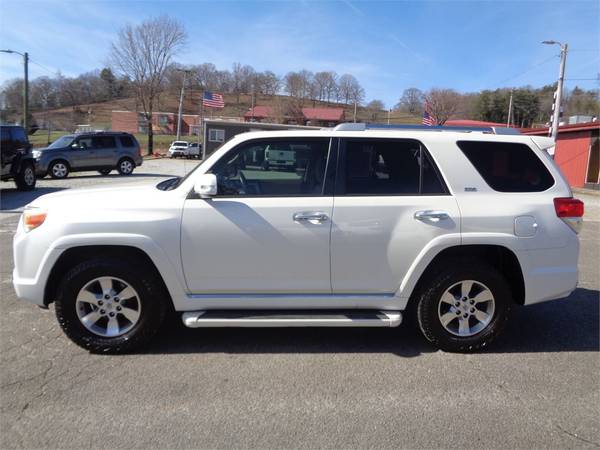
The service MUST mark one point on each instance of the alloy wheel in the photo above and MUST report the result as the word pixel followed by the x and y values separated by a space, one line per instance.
pixel 108 307
pixel 466 308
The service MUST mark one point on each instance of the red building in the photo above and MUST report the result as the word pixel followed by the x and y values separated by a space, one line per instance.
pixel 162 122
pixel 321 117
pixel 577 152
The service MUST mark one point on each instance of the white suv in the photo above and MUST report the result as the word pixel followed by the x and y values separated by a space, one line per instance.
pixel 373 224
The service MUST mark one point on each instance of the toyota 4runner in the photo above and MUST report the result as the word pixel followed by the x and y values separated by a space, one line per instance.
pixel 454 227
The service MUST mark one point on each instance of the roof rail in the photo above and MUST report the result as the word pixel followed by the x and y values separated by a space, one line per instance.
pixel 378 126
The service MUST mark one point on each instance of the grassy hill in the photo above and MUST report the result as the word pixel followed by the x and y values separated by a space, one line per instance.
pixel 98 115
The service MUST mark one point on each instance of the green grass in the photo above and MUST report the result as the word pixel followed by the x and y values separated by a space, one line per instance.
pixel 40 138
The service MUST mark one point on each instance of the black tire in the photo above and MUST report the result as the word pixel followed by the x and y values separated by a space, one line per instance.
pixel 151 296
pixel 265 165
pixel 25 179
pixel 104 171
pixel 125 166
pixel 57 174
pixel 430 299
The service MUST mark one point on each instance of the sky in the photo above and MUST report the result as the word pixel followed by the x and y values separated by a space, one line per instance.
pixel 389 46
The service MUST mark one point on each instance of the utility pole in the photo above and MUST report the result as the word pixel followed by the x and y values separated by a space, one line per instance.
pixel 185 72
pixel 355 102
pixel 25 87
pixel 559 88
pixel 509 110
pixel 389 111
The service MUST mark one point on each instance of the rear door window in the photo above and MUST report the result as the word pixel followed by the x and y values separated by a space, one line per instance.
pixel 104 142
pixel 508 167
pixel 389 167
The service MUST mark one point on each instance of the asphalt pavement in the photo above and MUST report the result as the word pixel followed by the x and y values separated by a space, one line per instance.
pixel 538 386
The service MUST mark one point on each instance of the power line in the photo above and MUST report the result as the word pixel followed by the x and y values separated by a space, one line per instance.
pixel 529 69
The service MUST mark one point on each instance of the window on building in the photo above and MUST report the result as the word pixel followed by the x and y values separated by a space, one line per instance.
pixel 163 120
pixel 216 135
pixel 507 167
pixel 273 168
pixel 389 167
pixel 126 141
pixel 143 129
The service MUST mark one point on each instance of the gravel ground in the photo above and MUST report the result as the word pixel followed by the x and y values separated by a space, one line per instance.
pixel 537 387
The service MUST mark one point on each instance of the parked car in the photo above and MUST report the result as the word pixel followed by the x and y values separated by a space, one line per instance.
pixel 178 149
pixel 454 227
pixel 100 151
pixel 281 156
pixel 16 160
pixel 194 150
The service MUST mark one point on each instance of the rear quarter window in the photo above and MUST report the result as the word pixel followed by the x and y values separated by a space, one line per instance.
pixel 126 141
pixel 508 167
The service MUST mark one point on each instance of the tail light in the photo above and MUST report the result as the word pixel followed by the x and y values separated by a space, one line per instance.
pixel 570 210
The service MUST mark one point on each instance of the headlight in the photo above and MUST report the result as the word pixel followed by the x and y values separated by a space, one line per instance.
pixel 36 154
pixel 33 218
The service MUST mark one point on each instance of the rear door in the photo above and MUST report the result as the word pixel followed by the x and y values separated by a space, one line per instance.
pixel 106 150
pixel 390 203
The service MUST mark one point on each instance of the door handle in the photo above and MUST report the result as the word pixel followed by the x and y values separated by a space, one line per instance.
pixel 310 216
pixel 433 216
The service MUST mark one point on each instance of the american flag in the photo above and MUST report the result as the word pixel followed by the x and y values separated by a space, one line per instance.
pixel 213 100
pixel 427 118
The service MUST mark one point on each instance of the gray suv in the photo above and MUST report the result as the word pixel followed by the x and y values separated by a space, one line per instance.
pixel 101 151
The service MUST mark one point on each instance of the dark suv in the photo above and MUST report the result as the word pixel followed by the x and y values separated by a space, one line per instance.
pixel 17 160
pixel 101 151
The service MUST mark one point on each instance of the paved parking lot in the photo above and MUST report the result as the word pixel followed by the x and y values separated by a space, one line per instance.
pixel 537 387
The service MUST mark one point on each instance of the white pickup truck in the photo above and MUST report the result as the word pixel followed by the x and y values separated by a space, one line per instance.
pixel 460 225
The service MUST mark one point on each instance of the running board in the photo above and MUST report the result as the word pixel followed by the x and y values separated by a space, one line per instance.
pixel 291 318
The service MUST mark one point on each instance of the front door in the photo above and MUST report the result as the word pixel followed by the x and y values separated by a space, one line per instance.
pixel 82 154
pixel 267 230
pixel 390 203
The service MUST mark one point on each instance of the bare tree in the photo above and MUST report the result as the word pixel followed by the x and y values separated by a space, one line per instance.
pixel 350 90
pixel 298 85
pixel 411 101
pixel 143 53
pixel 442 104
pixel 375 108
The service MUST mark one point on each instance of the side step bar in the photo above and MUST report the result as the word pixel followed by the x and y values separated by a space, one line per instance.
pixel 291 318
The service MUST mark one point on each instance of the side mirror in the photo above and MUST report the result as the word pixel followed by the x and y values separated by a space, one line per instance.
pixel 206 185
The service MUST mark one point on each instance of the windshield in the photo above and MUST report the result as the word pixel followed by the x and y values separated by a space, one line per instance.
pixel 173 183
pixel 63 141
pixel 180 144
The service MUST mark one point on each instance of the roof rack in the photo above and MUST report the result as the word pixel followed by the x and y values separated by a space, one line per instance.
pixel 379 126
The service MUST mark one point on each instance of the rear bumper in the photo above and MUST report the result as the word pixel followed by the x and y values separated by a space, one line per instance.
pixel 550 273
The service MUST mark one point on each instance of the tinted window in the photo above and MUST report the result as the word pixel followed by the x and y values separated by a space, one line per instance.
pixel 508 167
pixel 389 167
pixel 18 134
pixel 126 141
pixel 5 134
pixel 273 168
pixel 104 142
pixel 85 142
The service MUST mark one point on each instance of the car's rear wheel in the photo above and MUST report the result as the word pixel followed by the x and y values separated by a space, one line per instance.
pixel 104 172
pixel 25 179
pixel 59 169
pixel 108 306
pixel 464 307
pixel 125 166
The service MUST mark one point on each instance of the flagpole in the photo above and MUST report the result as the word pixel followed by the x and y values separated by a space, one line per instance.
pixel 202 128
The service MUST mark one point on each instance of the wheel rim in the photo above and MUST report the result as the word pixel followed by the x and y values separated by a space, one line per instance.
pixel 466 308
pixel 126 166
pixel 59 170
pixel 29 176
pixel 108 306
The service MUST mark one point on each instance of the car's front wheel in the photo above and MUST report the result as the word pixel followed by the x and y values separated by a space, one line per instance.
pixel 25 179
pixel 106 305
pixel 59 169
pixel 465 307
pixel 125 166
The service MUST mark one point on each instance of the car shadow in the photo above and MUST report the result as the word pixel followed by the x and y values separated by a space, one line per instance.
pixel 567 325
pixel 12 199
